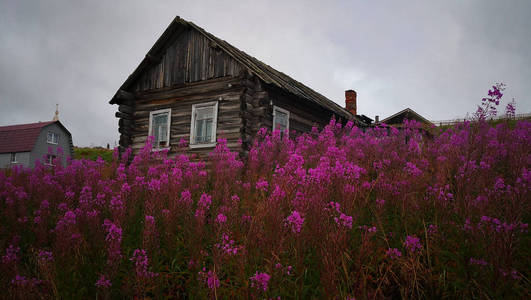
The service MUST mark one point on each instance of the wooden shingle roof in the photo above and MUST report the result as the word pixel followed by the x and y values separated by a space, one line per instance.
pixel 265 72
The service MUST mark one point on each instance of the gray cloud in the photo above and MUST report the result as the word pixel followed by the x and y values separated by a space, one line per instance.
pixel 437 58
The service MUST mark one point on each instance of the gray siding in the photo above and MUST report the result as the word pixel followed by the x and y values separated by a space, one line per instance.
pixel 41 146
pixel 23 158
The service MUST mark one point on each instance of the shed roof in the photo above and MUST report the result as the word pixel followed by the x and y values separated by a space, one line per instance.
pixel 265 72
pixel 22 138
pixel 407 113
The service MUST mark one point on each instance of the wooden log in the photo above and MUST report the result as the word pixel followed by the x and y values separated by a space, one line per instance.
pixel 123 115
pixel 127 109
pixel 124 95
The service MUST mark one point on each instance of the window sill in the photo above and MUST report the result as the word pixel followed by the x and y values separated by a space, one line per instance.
pixel 160 149
pixel 209 145
pixel 52 143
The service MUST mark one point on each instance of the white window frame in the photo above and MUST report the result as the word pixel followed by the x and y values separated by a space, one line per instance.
pixel 53 135
pixel 14 155
pixel 150 133
pixel 214 125
pixel 49 160
pixel 280 109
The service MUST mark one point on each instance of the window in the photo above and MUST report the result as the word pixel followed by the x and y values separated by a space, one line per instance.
pixel 52 138
pixel 280 119
pixel 203 127
pixel 49 160
pixel 14 158
pixel 159 128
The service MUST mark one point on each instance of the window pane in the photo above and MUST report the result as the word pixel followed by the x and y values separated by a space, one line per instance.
pixel 203 131
pixel 205 113
pixel 281 120
pixel 160 129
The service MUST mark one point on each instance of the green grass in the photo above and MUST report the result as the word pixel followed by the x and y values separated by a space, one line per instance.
pixel 93 153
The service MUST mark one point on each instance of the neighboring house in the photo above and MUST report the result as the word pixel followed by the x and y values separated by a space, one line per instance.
pixel 24 144
pixel 397 120
pixel 195 87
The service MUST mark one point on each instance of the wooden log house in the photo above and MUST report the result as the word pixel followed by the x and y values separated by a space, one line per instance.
pixel 194 86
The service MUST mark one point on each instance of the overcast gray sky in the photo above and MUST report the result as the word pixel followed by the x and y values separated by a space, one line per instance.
pixel 437 57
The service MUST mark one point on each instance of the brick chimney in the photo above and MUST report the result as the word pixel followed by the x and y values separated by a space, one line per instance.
pixel 350 101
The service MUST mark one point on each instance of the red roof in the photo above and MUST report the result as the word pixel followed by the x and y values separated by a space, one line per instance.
pixel 20 138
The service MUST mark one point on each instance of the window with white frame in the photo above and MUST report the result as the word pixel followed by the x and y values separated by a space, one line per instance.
pixel 203 126
pixel 280 119
pixel 159 127
pixel 14 158
pixel 50 159
pixel 52 138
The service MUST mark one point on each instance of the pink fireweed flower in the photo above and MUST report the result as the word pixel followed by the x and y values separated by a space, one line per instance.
pixel 22 281
pixel 344 220
pixel 412 243
pixel 114 241
pixel 103 282
pixel 380 203
pixel 412 169
pixel 209 278
pixel 479 262
pixel 260 280
pixel 262 185
pixel 203 205
pixel 393 253
pixel 294 222
pixel 141 262
pixel 45 256
pixel 221 219
pixel 11 254
pixel 227 245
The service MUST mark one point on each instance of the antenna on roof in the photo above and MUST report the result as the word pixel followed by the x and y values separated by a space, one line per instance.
pixel 56 116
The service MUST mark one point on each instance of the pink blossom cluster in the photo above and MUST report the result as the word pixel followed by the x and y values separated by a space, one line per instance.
pixel 260 281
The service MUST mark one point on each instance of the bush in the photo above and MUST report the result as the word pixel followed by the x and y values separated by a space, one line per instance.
pixel 333 214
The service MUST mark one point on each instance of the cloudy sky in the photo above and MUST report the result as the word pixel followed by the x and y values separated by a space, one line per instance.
pixel 437 57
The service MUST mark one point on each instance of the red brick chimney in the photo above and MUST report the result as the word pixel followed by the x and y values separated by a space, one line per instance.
pixel 350 101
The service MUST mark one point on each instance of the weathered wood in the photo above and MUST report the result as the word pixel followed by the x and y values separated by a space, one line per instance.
pixel 123 115
pixel 124 95
pixel 127 109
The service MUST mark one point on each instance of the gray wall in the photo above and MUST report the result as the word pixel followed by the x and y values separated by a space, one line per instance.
pixel 23 158
pixel 41 146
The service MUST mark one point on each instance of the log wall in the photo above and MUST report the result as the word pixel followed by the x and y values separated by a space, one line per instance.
pixel 226 91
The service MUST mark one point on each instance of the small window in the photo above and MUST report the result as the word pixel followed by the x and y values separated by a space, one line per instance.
pixel 50 159
pixel 280 119
pixel 159 128
pixel 203 127
pixel 14 158
pixel 52 138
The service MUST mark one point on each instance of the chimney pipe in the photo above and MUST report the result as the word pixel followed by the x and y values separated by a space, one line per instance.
pixel 350 101
pixel 377 119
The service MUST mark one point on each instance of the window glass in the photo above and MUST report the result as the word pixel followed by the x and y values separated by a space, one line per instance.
pixel 52 137
pixel 280 119
pixel 159 128
pixel 204 118
pixel 203 126
pixel 49 159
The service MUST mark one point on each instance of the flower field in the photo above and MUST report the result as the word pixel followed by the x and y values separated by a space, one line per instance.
pixel 341 213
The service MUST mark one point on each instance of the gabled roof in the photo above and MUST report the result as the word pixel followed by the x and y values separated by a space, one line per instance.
pixel 22 138
pixel 265 72
pixel 407 113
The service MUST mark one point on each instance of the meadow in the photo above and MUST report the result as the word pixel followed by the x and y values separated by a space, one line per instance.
pixel 340 213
